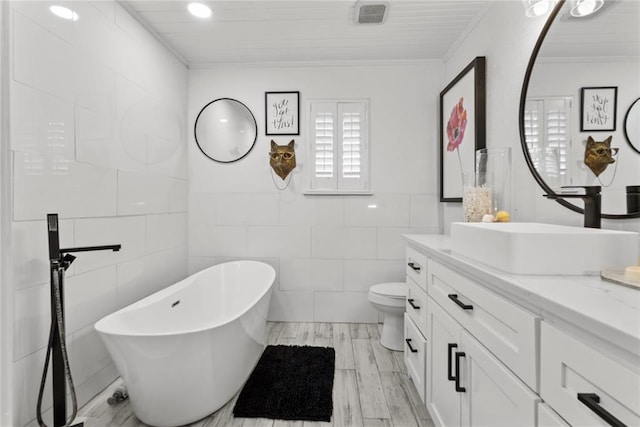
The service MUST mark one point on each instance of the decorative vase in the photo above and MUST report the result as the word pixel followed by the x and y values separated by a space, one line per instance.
pixel 493 171
pixel 486 195
pixel 476 200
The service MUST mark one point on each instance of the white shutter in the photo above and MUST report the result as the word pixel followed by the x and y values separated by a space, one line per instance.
pixel 338 147
pixel 323 128
pixel 354 154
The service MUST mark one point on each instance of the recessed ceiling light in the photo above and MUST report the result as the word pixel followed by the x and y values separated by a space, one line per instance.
pixel 535 8
pixel 199 10
pixel 63 12
pixel 586 7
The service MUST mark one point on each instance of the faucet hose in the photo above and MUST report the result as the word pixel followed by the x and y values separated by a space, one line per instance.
pixel 57 281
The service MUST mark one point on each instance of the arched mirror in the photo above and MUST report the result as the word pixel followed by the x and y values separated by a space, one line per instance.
pixel 225 130
pixel 576 62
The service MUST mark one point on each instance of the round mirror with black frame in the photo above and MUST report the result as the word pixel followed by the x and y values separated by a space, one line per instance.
pixel 225 130
pixel 574 61
pixel 632 125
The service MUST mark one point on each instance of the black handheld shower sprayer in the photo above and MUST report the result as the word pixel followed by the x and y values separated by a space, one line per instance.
pixel 59 262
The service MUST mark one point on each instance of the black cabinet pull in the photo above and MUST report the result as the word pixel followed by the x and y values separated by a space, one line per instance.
pixel 410 301
pixel 413 350
pixel 454 298
pixel 415 267
pixel 591 401
pixel 459 388
pixel 449 348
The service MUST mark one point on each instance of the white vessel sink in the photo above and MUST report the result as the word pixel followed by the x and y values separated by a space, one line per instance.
pixel 534 248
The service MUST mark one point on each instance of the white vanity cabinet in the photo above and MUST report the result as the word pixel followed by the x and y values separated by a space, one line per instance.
pixel 505 329
pixel 415 319
pixel 583 385
pixel 467 385
pixel 522 350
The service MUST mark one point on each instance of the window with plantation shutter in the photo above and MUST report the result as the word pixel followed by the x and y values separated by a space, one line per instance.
pixel 339 147
pixel 547 124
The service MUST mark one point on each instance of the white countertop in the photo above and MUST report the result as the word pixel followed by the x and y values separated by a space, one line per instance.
pixel 603 309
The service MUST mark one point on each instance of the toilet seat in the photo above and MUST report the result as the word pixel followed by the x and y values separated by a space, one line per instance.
pixel 390 290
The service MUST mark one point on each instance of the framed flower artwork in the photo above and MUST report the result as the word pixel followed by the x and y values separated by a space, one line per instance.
pixel 462 128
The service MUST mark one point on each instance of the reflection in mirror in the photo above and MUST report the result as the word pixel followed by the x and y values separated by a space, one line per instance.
pixel 600 50
pixel 225 130
pixel 632 125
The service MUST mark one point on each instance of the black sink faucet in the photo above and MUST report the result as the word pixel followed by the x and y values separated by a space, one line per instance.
pixel 592 203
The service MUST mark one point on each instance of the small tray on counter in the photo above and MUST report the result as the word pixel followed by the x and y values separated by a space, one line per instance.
pixel 617 277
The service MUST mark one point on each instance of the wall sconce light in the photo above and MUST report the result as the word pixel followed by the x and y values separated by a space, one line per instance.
pixel 582 8
pixel 535 8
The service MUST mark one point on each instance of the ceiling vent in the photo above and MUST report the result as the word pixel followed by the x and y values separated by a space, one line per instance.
pixel 370 12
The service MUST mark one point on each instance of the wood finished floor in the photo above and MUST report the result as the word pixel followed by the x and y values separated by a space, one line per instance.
pixel 371 386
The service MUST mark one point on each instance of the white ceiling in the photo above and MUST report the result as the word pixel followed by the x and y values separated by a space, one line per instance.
pixel 323 30
pixel 614 32
pixel 308 30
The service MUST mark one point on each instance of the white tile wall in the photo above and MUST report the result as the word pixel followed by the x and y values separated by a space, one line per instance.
pixel 286 242
pixel 291 306
pixel 89 297
pixel 27 373
pixel 343 307
pixel 48 183
pixel 381 210
pixel 360 275
pixel 392 245
pixel 35 51
pixel 98 135
pixel 32 317
pixel 247 209
pixel 41 123
pixel 311 274
pixel 166 231
pixel 298 209
pixel 87 355
pixel 343 242
pixel 222 241
pixel 30 246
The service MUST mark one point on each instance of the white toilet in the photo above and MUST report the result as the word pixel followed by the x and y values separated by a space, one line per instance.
pixel 389 298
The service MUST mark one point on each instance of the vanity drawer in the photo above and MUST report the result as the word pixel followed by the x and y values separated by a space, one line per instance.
pixel 508 331
pixel 576 380
pixel 417 305
pixel 415 355
pixel 416 265
pixel 547 417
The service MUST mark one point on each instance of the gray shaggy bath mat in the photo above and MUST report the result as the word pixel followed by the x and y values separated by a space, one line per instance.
pixel 290 383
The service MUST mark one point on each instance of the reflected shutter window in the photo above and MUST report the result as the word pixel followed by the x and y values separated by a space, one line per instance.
pixel 546 126
pixel 532 113
pixel 557 118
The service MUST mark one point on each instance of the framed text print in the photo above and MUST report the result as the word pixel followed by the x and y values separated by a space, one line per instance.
pixel 282 113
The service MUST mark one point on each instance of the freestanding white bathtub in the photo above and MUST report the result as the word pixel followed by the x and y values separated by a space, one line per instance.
pixel 184 352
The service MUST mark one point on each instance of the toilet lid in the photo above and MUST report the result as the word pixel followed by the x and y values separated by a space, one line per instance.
pixel 391 290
